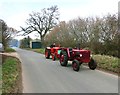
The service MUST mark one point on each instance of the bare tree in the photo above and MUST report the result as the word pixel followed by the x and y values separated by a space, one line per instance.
pixel 78 28
pixel 109 27
pixel 42 22
pixel 109 34
pixel 60 35
pixel 6 33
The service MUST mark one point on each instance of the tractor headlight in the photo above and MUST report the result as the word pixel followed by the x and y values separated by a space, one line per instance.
pixel 91 55
pixel 80 55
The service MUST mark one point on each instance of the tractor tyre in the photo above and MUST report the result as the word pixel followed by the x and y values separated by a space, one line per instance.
pixel 76 65
pixel 53 57
pixel 47 53
pixel 63 58
pixel 92 64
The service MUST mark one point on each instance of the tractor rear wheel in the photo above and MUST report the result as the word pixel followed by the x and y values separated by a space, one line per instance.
pixel 47 53
pixel 92 64
pixel 76 65
pixel 63 58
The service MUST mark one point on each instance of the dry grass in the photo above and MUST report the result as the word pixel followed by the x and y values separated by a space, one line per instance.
pixel 108 62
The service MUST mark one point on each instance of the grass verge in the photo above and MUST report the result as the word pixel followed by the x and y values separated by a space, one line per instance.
pixel 41 50
pixel 0 79
pixel 11 76
pixel 8 49
pixel 107 63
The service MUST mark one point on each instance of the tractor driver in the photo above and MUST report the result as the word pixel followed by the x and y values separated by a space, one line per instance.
pixel 53 45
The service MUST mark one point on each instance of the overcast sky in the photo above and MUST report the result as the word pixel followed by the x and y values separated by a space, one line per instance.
pixel 15 12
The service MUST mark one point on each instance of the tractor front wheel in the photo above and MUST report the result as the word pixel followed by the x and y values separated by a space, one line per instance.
pixel 76 65
pixel 53 57
pixel 47 53
pixel 63 58
pixel 92 64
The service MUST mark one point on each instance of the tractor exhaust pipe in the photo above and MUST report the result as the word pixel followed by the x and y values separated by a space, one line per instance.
pixel 78 46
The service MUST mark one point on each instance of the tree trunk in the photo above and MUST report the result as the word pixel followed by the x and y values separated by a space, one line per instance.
pixel 42 40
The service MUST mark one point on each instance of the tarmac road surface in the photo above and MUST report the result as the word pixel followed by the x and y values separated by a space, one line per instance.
pixel 42 75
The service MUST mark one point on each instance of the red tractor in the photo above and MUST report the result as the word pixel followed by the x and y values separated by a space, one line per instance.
pixel 77 56
pixel 52 51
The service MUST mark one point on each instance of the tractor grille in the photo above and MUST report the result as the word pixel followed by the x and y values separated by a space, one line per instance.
pixel 85 56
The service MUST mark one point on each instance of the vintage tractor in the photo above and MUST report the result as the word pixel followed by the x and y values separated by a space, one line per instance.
pixel 52 51
pixel 77 56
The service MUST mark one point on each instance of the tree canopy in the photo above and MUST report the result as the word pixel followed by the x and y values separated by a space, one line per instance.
pixel 42 22
pixel 100 35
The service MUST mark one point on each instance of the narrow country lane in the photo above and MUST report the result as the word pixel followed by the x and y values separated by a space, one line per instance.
pixel 42 75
